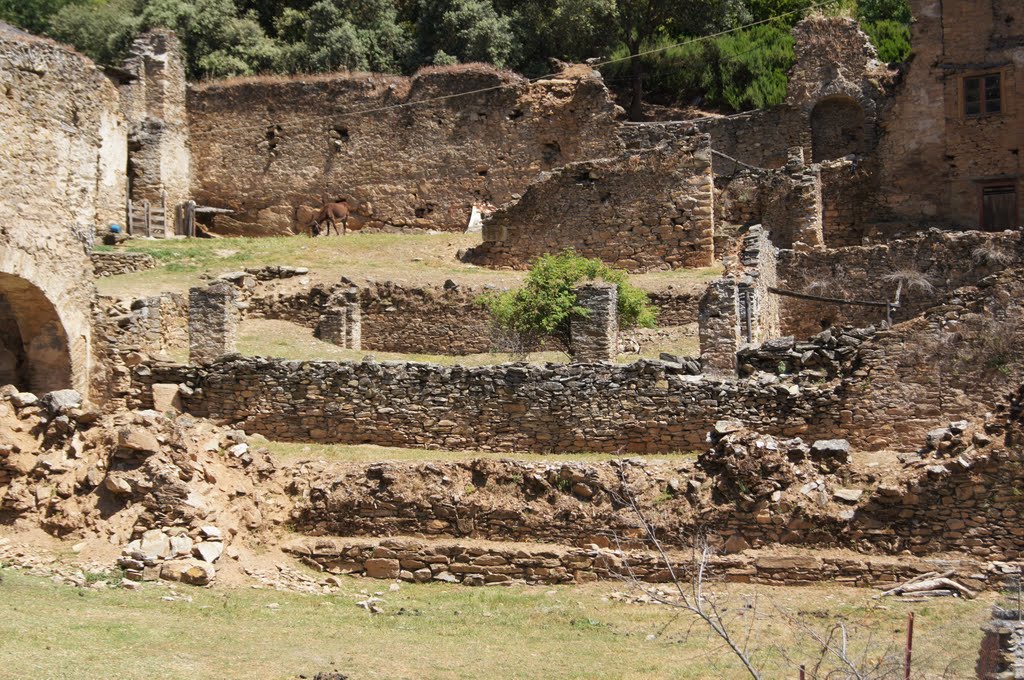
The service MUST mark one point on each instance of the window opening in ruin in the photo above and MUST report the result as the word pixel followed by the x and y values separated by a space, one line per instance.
pixel 516 114
pixel 983 94
pixel 837 129
pixel 551 152
pixel 999 207
pixel 424 211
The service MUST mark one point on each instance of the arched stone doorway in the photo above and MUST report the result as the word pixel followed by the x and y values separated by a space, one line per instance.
pixel 837 128
pixel 34 353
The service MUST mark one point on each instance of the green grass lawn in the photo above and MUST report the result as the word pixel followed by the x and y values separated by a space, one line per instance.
pixel 440 631
pixel 410 258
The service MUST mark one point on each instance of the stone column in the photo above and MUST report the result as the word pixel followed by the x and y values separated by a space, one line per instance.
pixel 718 322
pixel 595 337
pixel 341 322
pixel 353 325
pixel 806 195
pixel 212 322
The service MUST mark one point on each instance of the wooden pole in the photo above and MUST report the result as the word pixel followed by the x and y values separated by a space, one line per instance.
pixel 148 218
pixel 910 645
pixel 131 216
pixel 802 672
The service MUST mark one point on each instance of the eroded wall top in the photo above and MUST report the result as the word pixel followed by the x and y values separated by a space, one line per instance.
pixel 273 148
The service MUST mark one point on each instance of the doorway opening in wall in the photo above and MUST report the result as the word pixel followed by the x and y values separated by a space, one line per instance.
pixel 34 351
pixel 999 206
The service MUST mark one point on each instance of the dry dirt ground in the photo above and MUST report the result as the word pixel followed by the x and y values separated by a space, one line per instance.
pixel 405 258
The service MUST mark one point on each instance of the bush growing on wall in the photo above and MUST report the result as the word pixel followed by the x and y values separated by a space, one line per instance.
pixel 546 304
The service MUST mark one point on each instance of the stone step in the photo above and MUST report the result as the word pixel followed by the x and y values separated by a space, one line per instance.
pixel 492 562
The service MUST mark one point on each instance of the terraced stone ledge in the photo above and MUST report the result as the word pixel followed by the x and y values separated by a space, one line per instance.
pixel 491 563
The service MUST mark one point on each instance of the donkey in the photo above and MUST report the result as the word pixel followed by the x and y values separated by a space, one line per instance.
pixel 331 213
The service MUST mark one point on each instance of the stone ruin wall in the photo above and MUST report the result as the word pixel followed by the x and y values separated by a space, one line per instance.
pixel 62 159
pixel 425 319
pixel 886 395
pixel 153 99
pixel 273 149
pixel 949 260
pixel 644 407
pixel 646 209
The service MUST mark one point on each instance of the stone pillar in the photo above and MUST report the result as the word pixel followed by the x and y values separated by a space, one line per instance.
pixel 212 322
pixel 807 211
pixel 154 104
pixel 595 337
pixel 341 322
pixel 353 325
pixel 718 322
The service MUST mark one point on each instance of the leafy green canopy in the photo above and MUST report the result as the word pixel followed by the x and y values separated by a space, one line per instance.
pixel 243 37
pixel 546 304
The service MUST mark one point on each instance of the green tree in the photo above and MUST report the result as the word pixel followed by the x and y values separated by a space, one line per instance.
pixel 102 32
pixel 569 30
pixel 335 34
pixel 219 40
pixel 470 30
pixel 641 22
pixel 546 304
pixel 33 15
pixel 884 10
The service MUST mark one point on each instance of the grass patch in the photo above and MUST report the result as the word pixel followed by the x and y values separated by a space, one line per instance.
pixel 410 258
pixel 439 631
pixel 367 453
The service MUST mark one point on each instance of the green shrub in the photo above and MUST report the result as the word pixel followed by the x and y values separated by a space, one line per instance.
pixel 890 38
pixel 740 71
pixel 546 304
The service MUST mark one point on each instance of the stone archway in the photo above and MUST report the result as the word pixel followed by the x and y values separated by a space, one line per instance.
pixel 837 128
pixel 34 350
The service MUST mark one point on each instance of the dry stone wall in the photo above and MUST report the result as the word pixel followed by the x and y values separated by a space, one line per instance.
pixel 272 149
pixel 481 564
pixel 112 264
pixel 945 260
pixel 648 209
pixel 62 157
pixel 425 319
pixel 645 407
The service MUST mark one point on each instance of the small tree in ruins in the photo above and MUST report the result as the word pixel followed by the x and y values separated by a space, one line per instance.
pixel 546 304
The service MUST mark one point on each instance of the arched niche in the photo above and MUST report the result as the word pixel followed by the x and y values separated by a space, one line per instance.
pixel 837 128
pixel 34 352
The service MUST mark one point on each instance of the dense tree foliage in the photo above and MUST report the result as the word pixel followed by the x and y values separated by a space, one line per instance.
pixel 646 41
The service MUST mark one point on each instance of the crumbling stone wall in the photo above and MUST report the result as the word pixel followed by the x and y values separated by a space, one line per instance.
pixel 645 407
pixel 62 154
pixel 785 201
pixel 948 260
pixel 428 319
pixel 124 333
pixel 112 264
pixel 274 148
pixel 154 102
pixel 649 209
pixel 738 309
